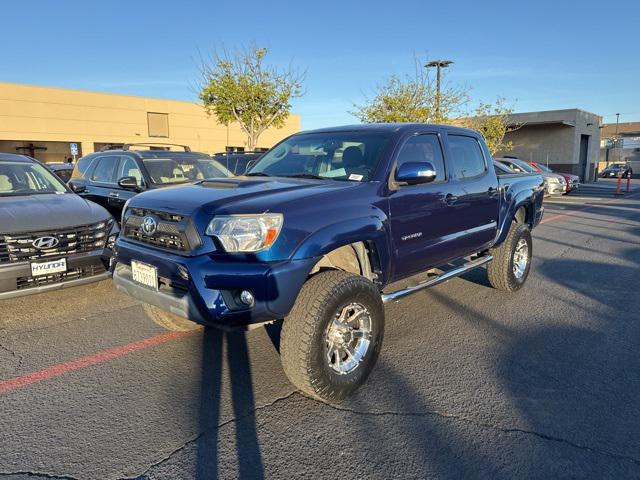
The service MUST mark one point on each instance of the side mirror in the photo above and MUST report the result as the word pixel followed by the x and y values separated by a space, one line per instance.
pixel 129 183
pixel 414 173
pixel 77 187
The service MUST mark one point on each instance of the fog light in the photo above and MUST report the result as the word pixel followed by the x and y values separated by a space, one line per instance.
pixel 246 297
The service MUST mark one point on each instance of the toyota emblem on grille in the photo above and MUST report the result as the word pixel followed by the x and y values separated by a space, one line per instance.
pixel 45 243
pixel 149 225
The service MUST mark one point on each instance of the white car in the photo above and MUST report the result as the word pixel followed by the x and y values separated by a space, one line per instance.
pixel 554 184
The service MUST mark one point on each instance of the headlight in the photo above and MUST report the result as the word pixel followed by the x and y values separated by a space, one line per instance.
pixel 246 233
pixel 124 209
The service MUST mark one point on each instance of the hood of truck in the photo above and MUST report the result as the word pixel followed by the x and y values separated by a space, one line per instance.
pixel 235 195
pixel 40 213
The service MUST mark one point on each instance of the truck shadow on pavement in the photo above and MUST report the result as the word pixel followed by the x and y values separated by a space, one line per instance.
pixel 243 403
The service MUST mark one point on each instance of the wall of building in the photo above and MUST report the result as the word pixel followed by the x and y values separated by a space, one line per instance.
pixel 539 143
pixel 43 115
pixel 553 137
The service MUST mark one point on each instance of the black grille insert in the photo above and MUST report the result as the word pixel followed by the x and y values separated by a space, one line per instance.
pixel 19 247
pixel 172 231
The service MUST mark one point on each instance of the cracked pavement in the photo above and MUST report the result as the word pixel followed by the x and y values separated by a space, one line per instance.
pixel 471 383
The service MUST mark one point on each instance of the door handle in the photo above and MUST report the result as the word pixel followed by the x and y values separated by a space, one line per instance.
pixel 114 194
pixel 450 199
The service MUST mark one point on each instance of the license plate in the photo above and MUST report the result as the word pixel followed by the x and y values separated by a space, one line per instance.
pixel 48 268
pixel 145 274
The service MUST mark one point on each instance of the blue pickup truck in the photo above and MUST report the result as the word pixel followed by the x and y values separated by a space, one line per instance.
pixel 316 233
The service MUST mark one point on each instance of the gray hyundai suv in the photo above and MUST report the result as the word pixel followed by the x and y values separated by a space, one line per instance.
pixel 50 237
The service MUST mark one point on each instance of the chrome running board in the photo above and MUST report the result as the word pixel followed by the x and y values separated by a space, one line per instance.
pixel 443 277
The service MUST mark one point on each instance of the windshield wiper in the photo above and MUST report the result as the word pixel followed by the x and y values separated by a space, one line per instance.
pixel 305 175
pixel 256 174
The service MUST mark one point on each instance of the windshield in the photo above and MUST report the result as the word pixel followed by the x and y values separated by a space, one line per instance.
pixel 344 156
pixel 522 165
pixel 27 178
pixel 544 168
pixel 164 171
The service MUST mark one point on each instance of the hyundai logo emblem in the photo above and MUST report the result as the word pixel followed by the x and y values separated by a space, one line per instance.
pixel 45 243
pixel 149 225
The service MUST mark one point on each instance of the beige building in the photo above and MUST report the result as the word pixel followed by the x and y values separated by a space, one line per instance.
pixel 44 122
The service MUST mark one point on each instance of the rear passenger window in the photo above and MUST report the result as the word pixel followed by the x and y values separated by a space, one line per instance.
pixel 105 170
pixel 468 160
pixel 424 148
pixel 81 167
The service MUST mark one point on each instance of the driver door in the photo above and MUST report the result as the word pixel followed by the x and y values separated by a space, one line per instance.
pixel 420 223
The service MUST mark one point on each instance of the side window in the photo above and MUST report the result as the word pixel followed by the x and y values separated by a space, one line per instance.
pixel 105 169
pixel 81 167
pixel 468 160
pixel 424 148
pixel 129 168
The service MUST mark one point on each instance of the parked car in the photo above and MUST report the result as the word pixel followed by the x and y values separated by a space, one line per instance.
pixel 238 162
pixel 112 177
pixel 617 170
pixel 572 181
pixel 62 170
pixel 501 169
pixel 554 184
pixel 50 238
pixel 315 232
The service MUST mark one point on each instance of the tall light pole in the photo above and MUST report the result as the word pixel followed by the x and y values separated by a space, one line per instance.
pixel 439 64
pixel 616 139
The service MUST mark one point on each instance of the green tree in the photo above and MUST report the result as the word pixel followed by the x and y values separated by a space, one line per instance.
pixel 491 120
pixel 240 87
pixel 413 99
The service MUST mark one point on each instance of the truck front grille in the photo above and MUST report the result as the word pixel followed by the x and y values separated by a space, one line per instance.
pixel 172 232
pixel 73 274
pixel 19 247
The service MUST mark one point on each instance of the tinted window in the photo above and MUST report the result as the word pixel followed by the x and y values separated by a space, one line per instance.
pixel 81 167
pixel 423 148
pixel 105 169
pixel 520 166
pixel 502 169
pixel 468 160
pixel 129 168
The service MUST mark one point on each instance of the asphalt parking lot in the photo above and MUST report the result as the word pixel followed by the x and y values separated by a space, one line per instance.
pixel 471 383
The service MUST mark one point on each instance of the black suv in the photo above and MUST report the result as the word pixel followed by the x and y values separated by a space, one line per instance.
pixel 50 238
pixel 239 162
pixel 112 177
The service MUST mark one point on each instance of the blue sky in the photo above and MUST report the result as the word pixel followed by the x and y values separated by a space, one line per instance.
pixel 538 55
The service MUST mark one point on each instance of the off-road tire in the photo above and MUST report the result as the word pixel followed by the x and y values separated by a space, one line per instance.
pixel 500 270
pixel 302 343
pixel 169 320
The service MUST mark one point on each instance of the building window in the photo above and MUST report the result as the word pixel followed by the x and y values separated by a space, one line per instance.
pixel 158 124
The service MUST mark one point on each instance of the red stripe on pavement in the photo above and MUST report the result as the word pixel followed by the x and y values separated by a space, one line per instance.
pixel 83 362
pixel 106 355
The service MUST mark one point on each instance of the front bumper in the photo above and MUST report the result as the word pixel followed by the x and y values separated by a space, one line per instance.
pixel 555 188
pixel 83 268
pixel 206 289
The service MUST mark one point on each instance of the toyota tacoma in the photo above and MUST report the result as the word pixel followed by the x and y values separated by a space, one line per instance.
pixel 317 232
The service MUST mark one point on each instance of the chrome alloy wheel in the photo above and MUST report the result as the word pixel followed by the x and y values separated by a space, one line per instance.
pixel 520 258
pixel 347 338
